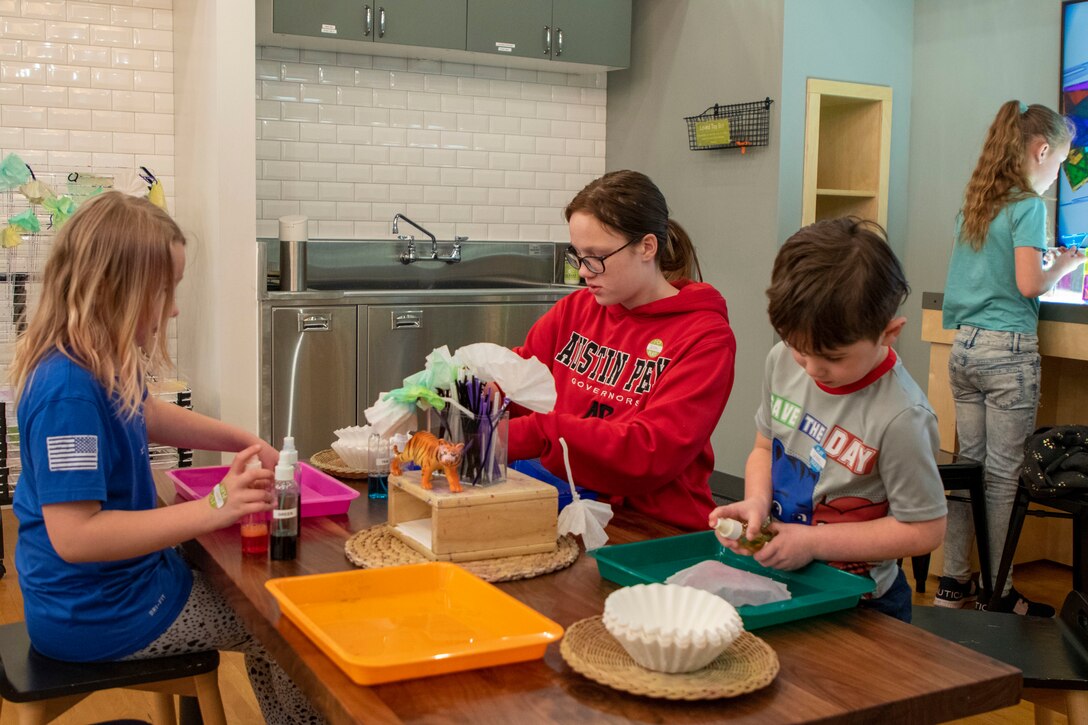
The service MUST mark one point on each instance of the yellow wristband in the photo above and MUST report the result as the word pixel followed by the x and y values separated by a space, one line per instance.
pixel 217 499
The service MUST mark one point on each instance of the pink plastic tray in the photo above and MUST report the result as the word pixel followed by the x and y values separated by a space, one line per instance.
pixel 322 495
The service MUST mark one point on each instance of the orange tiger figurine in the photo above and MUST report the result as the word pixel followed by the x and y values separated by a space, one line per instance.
pixel 430 453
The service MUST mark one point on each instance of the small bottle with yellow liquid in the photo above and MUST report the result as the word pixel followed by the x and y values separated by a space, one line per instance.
pixel 733 529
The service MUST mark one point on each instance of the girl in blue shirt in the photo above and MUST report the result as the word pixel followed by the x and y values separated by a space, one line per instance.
pixel 995 277
pixel 99 574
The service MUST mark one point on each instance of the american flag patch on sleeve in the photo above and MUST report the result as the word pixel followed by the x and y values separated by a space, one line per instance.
pixel 72 453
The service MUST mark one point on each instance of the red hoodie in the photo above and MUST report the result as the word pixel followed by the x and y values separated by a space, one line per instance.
pixel 639 393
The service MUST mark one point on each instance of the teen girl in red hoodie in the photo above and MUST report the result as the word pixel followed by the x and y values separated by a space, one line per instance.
pixel 642 358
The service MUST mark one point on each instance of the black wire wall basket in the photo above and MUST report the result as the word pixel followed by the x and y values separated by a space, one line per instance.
pixel 733 126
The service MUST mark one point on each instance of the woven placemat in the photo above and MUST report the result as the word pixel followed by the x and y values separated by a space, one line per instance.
pixel 329 462
pixel 747 665
pixel 379 547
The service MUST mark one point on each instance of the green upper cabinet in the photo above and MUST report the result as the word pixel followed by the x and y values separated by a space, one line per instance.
pixel 595 32
pixel 426 23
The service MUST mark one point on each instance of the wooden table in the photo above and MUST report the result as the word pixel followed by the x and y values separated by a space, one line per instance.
pixel 851 667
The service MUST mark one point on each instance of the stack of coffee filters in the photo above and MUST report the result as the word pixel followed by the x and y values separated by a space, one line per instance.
pixel 352 445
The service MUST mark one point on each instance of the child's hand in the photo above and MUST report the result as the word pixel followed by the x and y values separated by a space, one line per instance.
pixel 268 455
pixel 791 547
pixel 748 511
pixel 1067 259
pixel 242 492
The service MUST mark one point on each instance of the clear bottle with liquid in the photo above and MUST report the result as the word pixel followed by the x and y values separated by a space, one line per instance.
pixel 377 480
pixel 284 535
pixel 733 529
pixel 254 527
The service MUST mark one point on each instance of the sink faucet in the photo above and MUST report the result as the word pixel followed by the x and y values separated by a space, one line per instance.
pixel 411 256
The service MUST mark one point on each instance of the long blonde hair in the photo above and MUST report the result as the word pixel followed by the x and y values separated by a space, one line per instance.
pixel 999 174
pixel 111 272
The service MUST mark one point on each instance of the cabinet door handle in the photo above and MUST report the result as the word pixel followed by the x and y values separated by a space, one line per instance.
pixel 406 319
pixel 368 28
pixel 547 40
pixel 558 42
pixel 313 323
pixel 381 22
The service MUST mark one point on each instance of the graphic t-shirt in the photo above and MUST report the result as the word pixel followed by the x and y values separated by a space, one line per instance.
pixel 639 393
pixel 75 447
pixel 850 454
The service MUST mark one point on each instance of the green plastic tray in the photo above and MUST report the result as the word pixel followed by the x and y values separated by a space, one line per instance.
pixel 815 589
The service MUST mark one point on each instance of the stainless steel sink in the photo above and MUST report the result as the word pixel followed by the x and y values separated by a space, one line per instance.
pixel 375 265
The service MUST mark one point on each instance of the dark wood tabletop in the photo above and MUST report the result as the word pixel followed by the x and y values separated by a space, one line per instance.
pixel 854 666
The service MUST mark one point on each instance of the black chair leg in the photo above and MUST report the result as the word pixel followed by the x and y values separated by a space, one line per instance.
pixel 1016 525
pixel 982 535
pixel 920 567
pixel 1080 549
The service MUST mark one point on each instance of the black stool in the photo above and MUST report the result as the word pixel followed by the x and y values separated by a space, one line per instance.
pixel 962 474
pixel 1051 652
pixel 42 688
pixel 1069 507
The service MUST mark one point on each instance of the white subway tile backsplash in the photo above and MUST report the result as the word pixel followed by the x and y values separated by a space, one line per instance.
pixel 23 29
pixel 11 94
pixel 134 58
pixel 33 95
pixel 317 93
pixel 98 98
pixel 16 72
pixel 296 151
pixel 162 19
pixel 88 55
pixel 78 119
pixel 36 51
pixel 164 102
pixel 321 132
pixel 153 39
pixel 328 113
pixel 87 12
pixel 406 81
pixel 400 118
pixel 111 35
pixel 390 175
pixel 48 139
pixel 68 75
pixel 142 144
pixel 24 116
pixel 317 171
pixel 491 152
pixel 11 139
pixel 113 78
pixel 120 121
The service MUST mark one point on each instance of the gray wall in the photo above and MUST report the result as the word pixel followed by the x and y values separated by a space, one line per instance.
pixel 687 55
pixel 970 56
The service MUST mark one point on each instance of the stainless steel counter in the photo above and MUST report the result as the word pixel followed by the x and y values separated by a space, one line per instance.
pixel 367 321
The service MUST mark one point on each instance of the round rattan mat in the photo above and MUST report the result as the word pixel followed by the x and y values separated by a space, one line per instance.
pixel 329 462
pixel 747 665
pixel 378 547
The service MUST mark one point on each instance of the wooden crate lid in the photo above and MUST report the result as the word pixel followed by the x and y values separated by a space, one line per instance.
pixel 516 487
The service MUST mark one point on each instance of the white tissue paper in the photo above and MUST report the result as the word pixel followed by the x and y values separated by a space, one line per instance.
pixel 736 586
pixel 528 383
pixel 582 516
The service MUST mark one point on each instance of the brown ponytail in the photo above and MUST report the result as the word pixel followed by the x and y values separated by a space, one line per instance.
pixel 999 175
pixel 630 203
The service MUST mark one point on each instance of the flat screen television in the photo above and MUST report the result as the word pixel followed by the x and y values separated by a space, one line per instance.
pixel 1072 185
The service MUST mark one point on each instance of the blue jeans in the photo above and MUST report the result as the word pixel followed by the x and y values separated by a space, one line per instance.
pixel 896 602
pixel 995 385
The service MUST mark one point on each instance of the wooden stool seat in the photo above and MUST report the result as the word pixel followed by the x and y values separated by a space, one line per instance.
pixel 1051 652
pixel 42 688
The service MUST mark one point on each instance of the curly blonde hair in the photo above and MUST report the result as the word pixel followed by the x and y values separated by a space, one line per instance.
pixel 999 175
pixel 109 275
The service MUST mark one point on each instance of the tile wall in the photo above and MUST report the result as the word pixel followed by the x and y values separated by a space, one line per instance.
pixel 85 87
pixel 473 150
pixel 88 86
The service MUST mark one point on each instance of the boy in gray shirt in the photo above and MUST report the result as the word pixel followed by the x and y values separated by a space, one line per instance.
pixel 844 436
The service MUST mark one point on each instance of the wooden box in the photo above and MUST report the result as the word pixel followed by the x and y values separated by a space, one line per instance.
pixel 518 516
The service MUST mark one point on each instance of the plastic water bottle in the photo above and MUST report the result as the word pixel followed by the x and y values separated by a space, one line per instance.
pixel 285 515
pixel 377 480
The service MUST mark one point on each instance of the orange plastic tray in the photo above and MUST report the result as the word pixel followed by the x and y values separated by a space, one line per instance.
pixel 397 623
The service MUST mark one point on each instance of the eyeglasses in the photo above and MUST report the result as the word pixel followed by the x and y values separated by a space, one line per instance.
pixel 594 264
